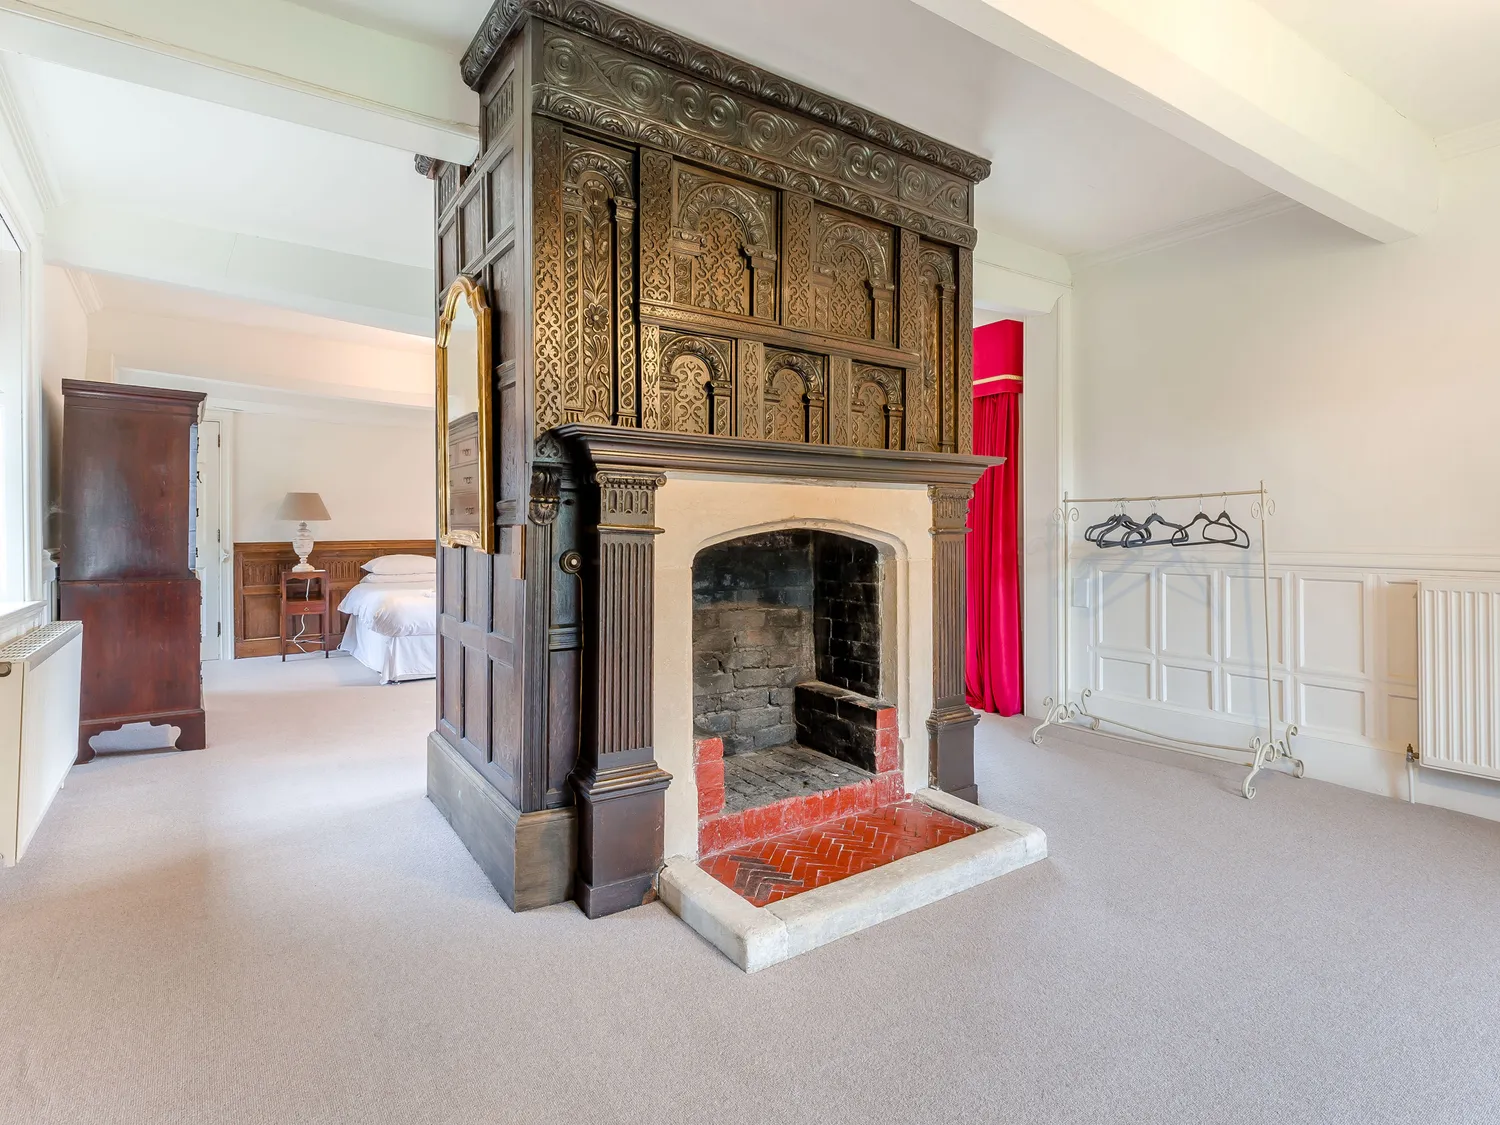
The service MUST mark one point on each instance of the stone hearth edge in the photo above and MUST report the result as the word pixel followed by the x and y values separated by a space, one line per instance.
pixel 757 937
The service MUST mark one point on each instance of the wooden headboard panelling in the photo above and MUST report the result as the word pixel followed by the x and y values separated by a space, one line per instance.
pixel 257 583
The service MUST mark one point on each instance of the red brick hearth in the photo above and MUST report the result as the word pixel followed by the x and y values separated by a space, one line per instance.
pixel 719 831
pixel 769 870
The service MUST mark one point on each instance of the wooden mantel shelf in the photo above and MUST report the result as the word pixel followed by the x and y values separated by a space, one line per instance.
pixel 614 447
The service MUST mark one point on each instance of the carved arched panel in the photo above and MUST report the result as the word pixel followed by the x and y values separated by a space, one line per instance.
pixel 688 396
pixel 786 407
pixel 796 397
pixel 876 407
pixel 598 260
pixel 697 385
pixel 936 428
pixel 852 284
pixel 723 252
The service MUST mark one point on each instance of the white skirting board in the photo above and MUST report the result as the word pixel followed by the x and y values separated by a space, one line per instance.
pixel 756 937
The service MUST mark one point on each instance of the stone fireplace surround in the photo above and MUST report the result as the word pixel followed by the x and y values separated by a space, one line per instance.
pixel 660 500
pixel 698 511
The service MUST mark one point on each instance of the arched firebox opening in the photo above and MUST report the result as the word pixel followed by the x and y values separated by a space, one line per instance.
pixel 789 663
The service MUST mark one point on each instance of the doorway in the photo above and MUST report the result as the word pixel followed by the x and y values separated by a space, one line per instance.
pixel 209 554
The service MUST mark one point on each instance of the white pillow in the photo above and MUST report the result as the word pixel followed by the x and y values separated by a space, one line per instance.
pixel 415 581
pixel 401 564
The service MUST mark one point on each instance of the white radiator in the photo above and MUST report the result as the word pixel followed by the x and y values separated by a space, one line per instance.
pixel 1458 679
pixel 38 727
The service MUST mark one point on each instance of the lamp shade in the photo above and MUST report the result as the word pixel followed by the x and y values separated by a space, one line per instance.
pixel 302 506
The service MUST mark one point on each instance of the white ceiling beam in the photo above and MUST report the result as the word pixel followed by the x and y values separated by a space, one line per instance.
pixel 284 274
pixel 1232 81
pixel 1013 279
pixel 269 57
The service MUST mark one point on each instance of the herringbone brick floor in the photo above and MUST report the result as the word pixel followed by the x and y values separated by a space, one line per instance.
pixel 786 865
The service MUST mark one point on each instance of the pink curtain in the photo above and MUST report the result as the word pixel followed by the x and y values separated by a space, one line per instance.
pixel 992 673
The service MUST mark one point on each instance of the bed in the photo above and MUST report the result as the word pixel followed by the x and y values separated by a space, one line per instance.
pixel 392 627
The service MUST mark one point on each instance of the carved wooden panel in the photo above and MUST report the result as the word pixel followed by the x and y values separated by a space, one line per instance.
pixel 796 242
pixel 257 584
pixel 612 91
pixel 935 427
pixel 696 384
pixel 472 221
pixel 502 193
pixel 750 386
pixel 853 275
pixel 499 110
pixel 796 394
pixel 547 266
pixel 875 407
pixel 723 244
pixel 598 277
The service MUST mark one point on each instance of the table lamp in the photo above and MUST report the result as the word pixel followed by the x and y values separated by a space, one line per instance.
pixel 302 506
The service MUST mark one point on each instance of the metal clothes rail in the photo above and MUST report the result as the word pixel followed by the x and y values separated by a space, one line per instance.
pixel 1264 751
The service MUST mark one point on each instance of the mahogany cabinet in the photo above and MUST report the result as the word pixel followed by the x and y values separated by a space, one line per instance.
pixel 126 566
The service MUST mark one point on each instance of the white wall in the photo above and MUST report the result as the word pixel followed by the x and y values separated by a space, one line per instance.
pixel 65 345
pixel 1358 380
pixel 365 363
pixel 378 481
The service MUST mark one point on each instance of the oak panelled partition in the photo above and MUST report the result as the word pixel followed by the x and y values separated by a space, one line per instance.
pixel 746 276
pixel 257 584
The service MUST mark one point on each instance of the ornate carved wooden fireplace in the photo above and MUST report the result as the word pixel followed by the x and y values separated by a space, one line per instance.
pixel 726 306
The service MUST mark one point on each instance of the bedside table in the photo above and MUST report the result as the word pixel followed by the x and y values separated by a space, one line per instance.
pixel 304 595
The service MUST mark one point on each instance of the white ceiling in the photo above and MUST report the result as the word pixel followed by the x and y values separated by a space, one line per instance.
pixel 125 146
pixel 1072 173
pixel 443 23
pixel 149 298
pixel 1435 61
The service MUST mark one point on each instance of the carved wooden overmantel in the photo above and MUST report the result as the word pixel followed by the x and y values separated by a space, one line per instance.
pixel 696 254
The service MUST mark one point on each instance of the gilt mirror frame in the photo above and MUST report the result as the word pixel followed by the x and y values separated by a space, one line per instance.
pixel 466 292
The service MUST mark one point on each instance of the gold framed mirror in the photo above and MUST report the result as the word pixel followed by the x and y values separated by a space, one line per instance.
pixel 464 445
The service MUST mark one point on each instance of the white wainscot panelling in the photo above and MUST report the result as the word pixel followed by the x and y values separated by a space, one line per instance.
pixel 1333 710
pixel 1188 687
pixel 1187 615
pixel 1331 626
pixel 1125 677
pixel 1124 600
pixel 1401 720
pixel 1244 620
pixel 1399 601
pixel 1245 695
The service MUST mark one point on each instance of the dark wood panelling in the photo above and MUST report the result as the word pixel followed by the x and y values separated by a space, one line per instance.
pixel 693 264
pixel 257 591
pixel 125 567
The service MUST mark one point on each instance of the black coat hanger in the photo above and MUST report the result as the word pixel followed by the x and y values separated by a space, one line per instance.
pixel 1222 525
pixel 1151 540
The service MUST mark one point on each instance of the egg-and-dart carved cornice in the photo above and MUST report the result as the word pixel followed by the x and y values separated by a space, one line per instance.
pixel 692 58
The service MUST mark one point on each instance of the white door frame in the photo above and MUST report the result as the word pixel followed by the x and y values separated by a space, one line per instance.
pixel 225 560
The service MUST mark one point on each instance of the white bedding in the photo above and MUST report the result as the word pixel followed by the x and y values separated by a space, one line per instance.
pixel 392 628
pixel 394 609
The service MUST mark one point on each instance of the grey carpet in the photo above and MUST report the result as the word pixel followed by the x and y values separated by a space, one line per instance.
pixel 281 929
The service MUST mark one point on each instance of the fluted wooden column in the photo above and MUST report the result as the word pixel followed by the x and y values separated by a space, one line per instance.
pixel 950 727
pixel 620 789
